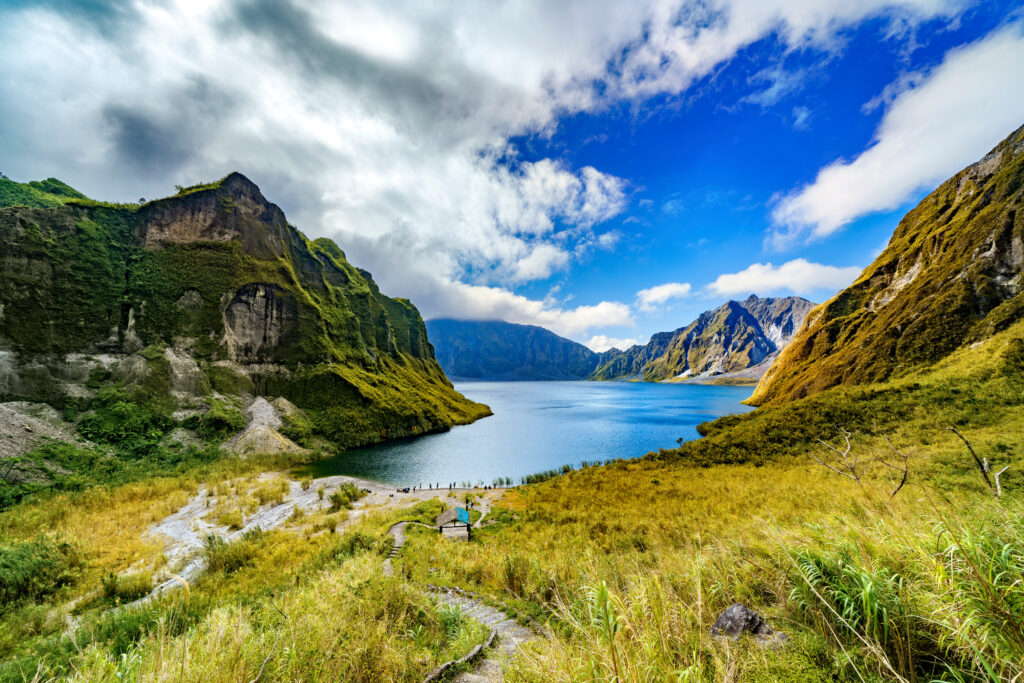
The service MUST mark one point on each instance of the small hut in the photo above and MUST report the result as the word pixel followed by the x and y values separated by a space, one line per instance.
pixel 454 523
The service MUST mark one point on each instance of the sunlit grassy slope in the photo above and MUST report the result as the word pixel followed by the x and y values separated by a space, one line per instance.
pixel 625 565
pixel 926 586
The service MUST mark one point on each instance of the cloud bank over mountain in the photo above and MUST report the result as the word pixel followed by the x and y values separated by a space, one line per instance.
pixel 393 131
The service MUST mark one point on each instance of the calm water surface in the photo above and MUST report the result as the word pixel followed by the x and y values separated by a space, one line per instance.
pixel 538 426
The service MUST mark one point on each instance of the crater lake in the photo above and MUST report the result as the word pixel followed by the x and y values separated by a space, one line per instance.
pixel 539 426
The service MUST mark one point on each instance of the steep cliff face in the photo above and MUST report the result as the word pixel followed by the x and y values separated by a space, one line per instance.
pixel 951 275
pixel 735 337
pixel 209 291
pixel 498 350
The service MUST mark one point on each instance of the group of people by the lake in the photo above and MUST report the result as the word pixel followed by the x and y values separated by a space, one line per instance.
pixel 437 486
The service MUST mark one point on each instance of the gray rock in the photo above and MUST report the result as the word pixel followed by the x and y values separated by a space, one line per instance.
pixel 737 619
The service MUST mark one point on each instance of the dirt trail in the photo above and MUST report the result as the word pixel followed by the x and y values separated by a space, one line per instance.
pixel 184 532
pixel 510 634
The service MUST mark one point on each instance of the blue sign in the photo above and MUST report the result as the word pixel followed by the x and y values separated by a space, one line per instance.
pixel 463 514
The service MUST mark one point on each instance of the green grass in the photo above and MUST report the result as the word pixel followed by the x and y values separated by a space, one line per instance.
pixel 38 193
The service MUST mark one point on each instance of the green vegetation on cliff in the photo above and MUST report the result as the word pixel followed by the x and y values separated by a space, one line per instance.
pixel 950 276
pixel 208 290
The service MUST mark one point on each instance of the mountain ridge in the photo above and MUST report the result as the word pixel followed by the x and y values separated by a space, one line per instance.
pixel 735 342
pixel 950 275
pixel 504 351
pixel 732 338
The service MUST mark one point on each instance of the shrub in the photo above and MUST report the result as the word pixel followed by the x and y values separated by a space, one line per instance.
pixel 32 570
pixel 118 419
pixel 270 491
pixel 127 587
pixel 220 421
pixel 232 519
pixel 222 556
pixel 343 498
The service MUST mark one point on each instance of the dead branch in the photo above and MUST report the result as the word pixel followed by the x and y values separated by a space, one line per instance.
pixel 977 460
pixel 847 464
pixel 897 468
pixel 999 488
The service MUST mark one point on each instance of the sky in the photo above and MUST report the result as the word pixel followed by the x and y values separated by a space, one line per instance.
pixel 605 169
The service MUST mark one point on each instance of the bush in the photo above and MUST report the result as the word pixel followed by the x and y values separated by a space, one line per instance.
pixel 232 519
pixel 220 421
pixel 343 498
pixel 297 427
pixel 222 556
pixel 133 426
pixel 127 587
pixel 32 570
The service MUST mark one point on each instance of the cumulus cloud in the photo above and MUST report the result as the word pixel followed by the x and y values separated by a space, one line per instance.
pixel 798 276
pixel 933 126
pixel 652 298
pixel 601 343
pixel 387 128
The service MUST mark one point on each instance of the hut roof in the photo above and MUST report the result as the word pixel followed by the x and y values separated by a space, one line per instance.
pixel 449 515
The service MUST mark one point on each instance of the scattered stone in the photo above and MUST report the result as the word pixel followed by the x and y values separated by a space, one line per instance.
pixel 737 619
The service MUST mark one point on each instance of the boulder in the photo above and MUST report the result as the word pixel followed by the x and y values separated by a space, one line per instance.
pixel 737 619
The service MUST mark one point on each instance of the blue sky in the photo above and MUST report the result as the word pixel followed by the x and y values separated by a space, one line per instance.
pixel 605 169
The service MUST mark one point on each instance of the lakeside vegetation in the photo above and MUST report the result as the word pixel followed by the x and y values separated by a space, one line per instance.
pixel 625 564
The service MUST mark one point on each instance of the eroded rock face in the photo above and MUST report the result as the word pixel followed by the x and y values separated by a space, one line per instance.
pixel 235 211
pixel 256 320
pixel 184 373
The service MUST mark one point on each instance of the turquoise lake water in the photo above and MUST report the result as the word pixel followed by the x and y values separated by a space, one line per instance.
pixel 538 426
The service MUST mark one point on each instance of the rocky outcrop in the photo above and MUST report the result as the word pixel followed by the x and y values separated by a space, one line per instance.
pixel 737 620
pixel 738 339
pixel 210 292
pixel 257 319
pixel 950 275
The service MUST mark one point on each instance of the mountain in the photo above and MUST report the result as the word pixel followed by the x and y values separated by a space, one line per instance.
pixel 498 350
pixel 204 295
pixel 950 276
pixel 738 340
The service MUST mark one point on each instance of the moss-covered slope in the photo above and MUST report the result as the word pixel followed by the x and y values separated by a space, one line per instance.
pixel 208 291
pixel 951 275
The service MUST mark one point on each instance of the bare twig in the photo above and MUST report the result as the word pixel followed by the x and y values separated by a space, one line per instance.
pixel 977 460
pixel 999 489
pixel 847 465
pixel 904 469
pixel 273 647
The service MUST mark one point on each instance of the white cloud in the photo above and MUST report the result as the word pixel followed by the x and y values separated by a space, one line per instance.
pixel 386 129
pixel 481 302
pixel 651 298
pixel 798 276
pixel 934 126
pixel 601 343
pixel 801 116
pixel 778 83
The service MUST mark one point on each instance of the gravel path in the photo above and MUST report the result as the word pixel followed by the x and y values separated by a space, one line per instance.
pixel 510 634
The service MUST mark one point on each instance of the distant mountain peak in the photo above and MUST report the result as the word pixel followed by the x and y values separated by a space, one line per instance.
pixel 499 350
pixel 735 337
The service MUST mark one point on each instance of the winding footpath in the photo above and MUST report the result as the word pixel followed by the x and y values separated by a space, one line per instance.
pixel 505 631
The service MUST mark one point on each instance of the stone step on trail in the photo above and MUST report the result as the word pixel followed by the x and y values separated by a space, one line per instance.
pixel 510 635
